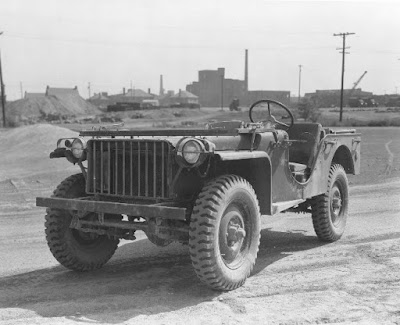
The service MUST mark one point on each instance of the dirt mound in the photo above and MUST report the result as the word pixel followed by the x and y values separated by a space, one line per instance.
pixel 34 138
pixel 33 108
pixel 25 150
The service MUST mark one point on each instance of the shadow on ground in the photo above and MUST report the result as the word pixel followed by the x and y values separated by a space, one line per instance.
pixel 140 279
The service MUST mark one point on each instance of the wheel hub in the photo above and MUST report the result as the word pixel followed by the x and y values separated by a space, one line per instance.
pixel 235 233
pixel 232 236
pixel 336 204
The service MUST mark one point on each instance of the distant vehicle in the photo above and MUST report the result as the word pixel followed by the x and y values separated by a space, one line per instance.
pixel 185 105
pixel 150 103
pixel 234 105
pixel 356 102
pixel 204 187
pixel 362 102
pixel 370 102
pixel 121 107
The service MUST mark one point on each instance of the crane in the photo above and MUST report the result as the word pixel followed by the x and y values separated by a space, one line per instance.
pixel 357 82
pixel 356 102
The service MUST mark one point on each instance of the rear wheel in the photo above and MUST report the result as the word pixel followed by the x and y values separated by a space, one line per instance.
pixel 329 210
pixel 75 249
pixel 224 233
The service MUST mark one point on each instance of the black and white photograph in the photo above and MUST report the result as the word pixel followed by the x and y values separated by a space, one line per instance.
pixel 216 162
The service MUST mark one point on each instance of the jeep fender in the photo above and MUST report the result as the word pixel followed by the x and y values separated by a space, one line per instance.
pixel 255 167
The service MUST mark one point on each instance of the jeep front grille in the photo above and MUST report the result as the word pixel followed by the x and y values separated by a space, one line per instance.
pixel 131 168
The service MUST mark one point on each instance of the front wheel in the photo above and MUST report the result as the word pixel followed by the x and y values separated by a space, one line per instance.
pixel 224 233
pixel 76 250
pixel 329 210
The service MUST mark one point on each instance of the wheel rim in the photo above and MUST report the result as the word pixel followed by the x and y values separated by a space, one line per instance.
pixel 336 205
pixel 232 237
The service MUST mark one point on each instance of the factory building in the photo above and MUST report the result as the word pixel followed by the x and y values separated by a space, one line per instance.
pixel 282 96
pixel 214 90
pixel 331 97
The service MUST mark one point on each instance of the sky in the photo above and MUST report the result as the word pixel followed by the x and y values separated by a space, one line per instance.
pixel 113 44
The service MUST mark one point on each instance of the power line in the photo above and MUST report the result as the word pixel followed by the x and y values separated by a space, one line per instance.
pixel 343 35
pixel 157 45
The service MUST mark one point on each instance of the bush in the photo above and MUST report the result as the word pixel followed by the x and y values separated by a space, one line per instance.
pixel 308 111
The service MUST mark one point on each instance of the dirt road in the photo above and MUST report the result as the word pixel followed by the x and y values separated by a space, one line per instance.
pixel 297 279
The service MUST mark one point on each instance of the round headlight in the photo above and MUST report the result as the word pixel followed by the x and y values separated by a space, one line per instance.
pixel 78 147
pixel 191 152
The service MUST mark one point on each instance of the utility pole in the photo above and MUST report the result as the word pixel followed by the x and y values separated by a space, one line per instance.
pixel 300 66
pixel 222 92
pixel 343 35
pixel 131 89
pixel 3 98
pixel 89 90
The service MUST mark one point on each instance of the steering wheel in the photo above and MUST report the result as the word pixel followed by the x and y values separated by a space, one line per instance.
pixel 271 118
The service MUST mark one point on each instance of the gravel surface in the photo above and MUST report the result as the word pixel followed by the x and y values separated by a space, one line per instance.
pixel 297 279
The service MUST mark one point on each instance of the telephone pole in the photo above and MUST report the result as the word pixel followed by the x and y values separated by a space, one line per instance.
pixel 300 66
pixel 3 99
pixel 222 92
pixel 343 35
pixel 89 90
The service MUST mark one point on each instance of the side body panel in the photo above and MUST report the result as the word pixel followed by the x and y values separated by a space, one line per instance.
pixel 343 149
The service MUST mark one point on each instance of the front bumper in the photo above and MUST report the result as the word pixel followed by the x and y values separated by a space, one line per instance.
pixel 145 211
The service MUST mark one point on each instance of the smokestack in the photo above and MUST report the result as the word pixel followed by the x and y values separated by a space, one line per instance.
pixel 123 90
pixel 246 71
pixel 161 85
pixel 149 90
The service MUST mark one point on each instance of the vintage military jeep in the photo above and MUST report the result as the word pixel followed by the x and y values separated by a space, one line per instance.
pixel 203 187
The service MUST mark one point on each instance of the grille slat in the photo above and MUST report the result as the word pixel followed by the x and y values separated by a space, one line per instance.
pixel 101 170
pixel 129 168
pixel 94 165
pixel 123 168
pixel 139 169
pixel 116 168
pixel 146 174
pixel 162 169
pixel 154 170
pixel 109 168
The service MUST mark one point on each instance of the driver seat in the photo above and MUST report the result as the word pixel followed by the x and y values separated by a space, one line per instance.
pixel 305 152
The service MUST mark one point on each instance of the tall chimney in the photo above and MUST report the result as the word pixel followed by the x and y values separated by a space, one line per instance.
pixel 246 70
pixel 161 85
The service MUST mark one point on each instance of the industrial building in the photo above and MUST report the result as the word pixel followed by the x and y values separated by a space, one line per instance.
pixel 131 96
pixel 214 90
pixel 331 97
